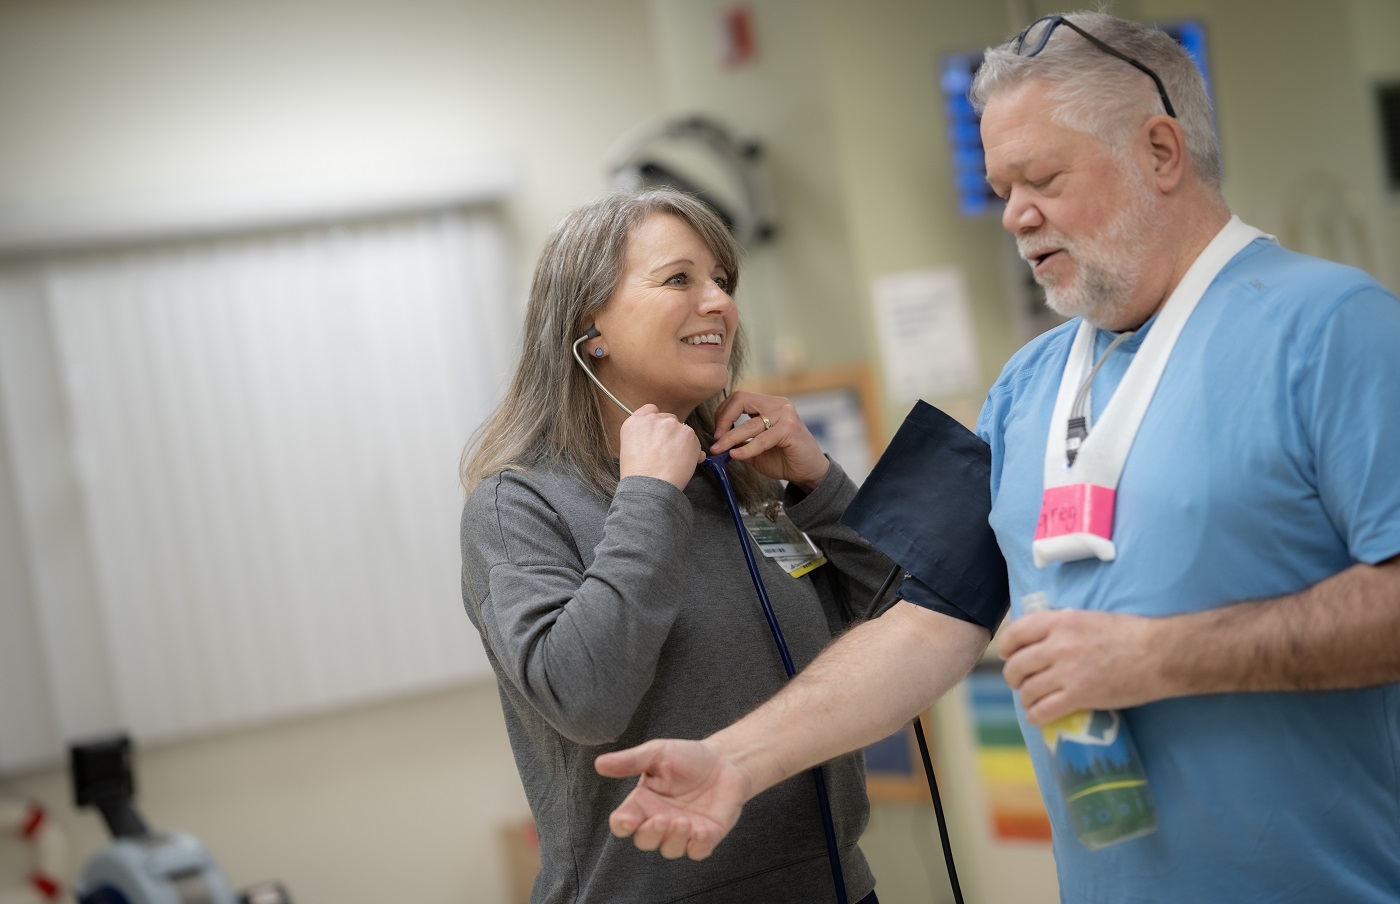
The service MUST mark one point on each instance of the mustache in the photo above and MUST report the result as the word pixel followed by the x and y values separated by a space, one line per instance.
pixel 1031 248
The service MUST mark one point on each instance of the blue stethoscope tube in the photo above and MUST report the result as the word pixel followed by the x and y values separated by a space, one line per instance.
pixel 716 464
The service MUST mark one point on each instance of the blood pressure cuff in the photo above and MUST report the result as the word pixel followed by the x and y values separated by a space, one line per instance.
pixel 925 505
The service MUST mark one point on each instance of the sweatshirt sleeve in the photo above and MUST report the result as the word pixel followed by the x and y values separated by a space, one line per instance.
pixel 579 641
pixel 857 569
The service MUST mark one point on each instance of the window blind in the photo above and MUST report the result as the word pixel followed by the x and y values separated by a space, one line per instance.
pixel 234 473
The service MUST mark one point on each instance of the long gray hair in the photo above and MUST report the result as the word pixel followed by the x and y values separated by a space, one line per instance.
pixel 552 414
pixel 1100 94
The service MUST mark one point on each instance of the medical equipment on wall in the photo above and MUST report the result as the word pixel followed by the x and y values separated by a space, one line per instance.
pixel 699 156
pixel 140 866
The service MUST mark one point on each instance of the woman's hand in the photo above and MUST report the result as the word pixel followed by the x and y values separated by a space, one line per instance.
pixel 774 440
pixel 656 444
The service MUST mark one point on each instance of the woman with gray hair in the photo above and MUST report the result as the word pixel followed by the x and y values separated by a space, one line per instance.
pixel 602 570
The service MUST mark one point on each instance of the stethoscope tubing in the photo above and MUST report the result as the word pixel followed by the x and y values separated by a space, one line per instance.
pixel 716 464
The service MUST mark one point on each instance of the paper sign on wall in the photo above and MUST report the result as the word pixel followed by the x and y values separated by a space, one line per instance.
pixel 924 325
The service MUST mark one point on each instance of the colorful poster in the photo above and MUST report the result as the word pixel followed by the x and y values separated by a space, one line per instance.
pixel 1008 778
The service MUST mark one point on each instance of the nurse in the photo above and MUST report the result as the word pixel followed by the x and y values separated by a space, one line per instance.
pixel 600 564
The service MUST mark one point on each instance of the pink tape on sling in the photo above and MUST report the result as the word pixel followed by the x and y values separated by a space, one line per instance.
pixel 1076 514
pixel 1076 521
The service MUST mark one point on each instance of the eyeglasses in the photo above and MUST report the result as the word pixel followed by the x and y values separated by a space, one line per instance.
pixel 1053 22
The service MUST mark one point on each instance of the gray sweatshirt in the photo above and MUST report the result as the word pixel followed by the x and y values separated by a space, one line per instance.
pixel 611 622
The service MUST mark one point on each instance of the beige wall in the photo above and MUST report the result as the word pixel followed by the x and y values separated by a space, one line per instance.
pixel 400 801
pixel 799 296
pixel 1374 24
pixel 897 174
pixel 1299 136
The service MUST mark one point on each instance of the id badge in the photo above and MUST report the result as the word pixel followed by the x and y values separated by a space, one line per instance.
pixel 780 540
pixel 1076 522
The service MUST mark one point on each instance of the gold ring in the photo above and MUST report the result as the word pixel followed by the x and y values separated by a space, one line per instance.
pixel 767 424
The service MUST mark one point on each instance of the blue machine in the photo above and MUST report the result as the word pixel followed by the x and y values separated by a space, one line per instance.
pixel 141 866
pixel 167 868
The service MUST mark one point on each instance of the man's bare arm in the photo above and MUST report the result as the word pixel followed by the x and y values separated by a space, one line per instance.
pixel 862 688
pixel 1343 632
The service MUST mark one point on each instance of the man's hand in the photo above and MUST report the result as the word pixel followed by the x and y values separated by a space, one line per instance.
pixel 1337 634
pixel 687 800
pixel 1063 661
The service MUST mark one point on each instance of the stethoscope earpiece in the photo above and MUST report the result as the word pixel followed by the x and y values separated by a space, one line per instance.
pixel 597 353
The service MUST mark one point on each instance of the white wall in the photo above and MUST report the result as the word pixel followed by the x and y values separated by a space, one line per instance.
pixel 154 96
pixel 896 174
pixel 1374 25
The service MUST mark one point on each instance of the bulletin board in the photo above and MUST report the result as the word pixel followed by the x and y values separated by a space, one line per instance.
pixel 840 406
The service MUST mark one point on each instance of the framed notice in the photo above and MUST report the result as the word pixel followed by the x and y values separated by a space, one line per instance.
pixel 840 407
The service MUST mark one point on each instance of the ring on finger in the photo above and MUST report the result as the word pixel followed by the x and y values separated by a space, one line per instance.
pixel 767 424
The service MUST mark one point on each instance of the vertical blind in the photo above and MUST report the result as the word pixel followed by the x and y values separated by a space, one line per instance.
pixel 234 466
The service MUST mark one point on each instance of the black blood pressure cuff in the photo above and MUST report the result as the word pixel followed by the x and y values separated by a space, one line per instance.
pixel 925 505
pixel 925 597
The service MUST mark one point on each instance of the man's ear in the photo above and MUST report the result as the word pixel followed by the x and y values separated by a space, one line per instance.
pixel 1166 143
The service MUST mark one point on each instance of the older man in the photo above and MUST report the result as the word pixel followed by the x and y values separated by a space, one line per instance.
pixel 1234 408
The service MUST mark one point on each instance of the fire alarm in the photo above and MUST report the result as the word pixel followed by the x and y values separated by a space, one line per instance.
pixel 736 38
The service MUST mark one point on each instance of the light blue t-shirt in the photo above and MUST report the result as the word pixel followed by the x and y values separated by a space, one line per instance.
pixel 1268 460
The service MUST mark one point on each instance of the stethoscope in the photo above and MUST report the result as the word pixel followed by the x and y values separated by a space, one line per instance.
pixel 716 464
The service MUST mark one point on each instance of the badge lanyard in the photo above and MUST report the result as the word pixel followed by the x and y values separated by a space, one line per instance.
pixel 1076 513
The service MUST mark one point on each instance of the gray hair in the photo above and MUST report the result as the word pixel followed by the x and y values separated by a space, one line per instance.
pixel 552 413
pixel 1102 95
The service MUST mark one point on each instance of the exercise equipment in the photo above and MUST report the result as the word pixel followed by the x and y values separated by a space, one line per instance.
pixel 141 866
